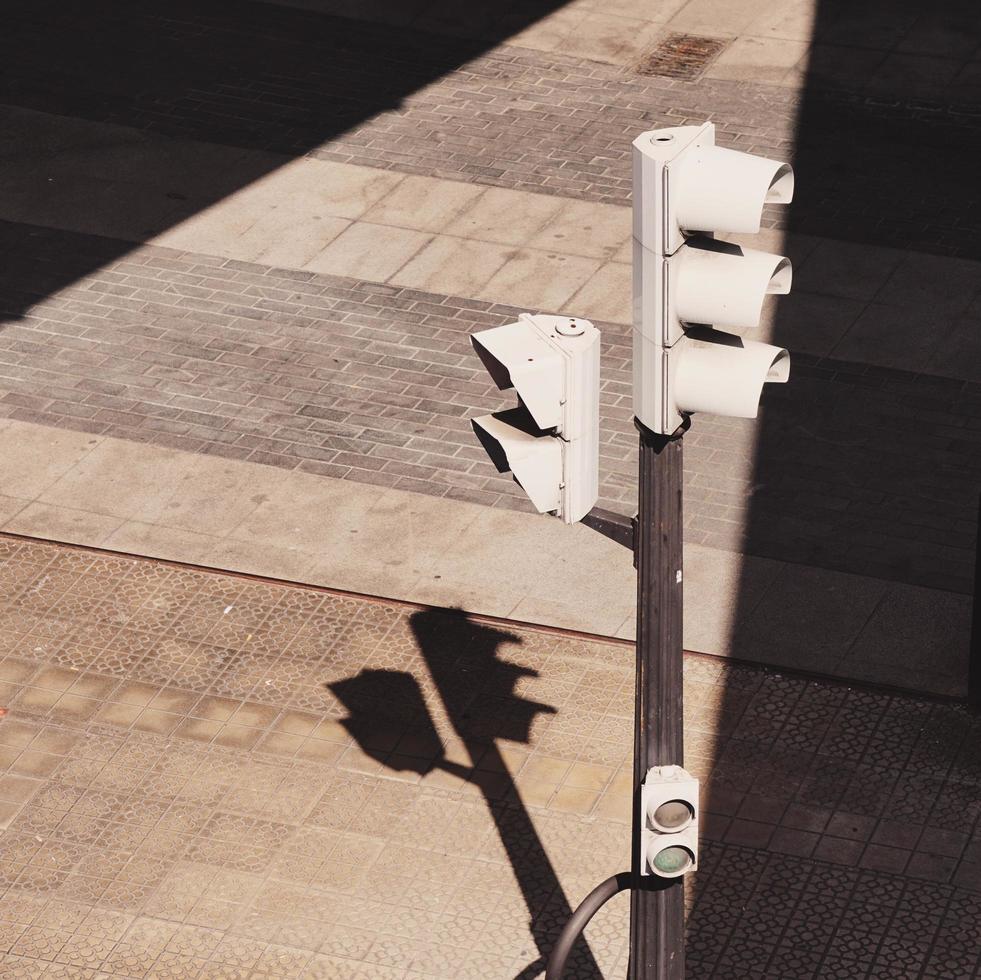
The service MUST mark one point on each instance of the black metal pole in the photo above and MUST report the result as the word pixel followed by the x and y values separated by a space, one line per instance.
pixel 657 905
pixel 974 651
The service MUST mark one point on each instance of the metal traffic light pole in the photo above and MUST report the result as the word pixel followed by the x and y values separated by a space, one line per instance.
pixel 657 905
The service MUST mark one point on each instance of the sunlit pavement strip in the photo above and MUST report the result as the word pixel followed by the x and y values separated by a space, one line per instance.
pixel 183 796
pixel 243 517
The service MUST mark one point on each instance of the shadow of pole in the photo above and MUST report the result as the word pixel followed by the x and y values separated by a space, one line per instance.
pixel 477 692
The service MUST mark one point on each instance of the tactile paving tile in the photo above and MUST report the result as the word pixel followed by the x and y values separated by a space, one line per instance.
pixel 206 776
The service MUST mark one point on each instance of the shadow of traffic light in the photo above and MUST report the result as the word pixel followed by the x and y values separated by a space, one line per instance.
pixel 384 705
pixel 478 692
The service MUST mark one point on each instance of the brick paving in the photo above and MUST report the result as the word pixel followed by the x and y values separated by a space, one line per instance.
pixel 377 384
pixel 208 776
pixel 268 77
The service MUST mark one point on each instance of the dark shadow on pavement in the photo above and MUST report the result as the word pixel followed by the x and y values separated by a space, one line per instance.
pixel 251 75
pixel 870 470
pixel 866 462
pixel 888 127
pixel 841 838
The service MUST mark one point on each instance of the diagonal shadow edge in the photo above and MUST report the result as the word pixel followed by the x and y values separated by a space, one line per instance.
pixel 213 72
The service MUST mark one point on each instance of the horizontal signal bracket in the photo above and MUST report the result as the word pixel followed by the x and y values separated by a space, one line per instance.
pixel 616 527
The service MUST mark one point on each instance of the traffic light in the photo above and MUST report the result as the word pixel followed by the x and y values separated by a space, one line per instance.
pixel 687 284
pixel 669 811
pixel 550 442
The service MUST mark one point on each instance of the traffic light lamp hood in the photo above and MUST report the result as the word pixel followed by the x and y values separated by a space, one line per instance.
pixel 724 284
pixel 534 459
pixel 550 442
pixel 723 374
pixel 519 358
pixel 706 188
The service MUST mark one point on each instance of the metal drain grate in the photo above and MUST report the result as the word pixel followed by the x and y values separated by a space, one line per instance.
pixel 681 56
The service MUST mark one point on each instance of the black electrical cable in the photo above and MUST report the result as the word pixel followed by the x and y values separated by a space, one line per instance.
pixel 589 906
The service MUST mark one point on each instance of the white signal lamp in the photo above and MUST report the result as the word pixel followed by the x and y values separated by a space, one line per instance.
pixel 688 284
pixel 550 442
pixel 669 834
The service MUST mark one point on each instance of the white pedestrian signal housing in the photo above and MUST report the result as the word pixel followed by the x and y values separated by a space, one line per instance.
pixel 687 284
pixel 669 835
pixel 550 442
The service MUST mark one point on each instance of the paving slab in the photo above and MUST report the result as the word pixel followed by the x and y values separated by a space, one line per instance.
pixel 302 214
pixel 580 228
pixel 209 774
pixel 452 265
pixel 762 59
pixel 366 251
pixel 607 294
pixel 39 457
pixel 70 524
pixel 424 203
pixel 910 628
pixel 811 615
pixel 857 301
pixel 722 590
pixel 540 280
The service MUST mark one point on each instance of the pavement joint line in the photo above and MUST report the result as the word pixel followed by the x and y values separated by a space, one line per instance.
pixel 614 641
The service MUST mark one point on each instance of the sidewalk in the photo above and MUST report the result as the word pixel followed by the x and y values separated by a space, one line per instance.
pixel 326 236
pixel 243 246
pixel 287 524
pixel 212 777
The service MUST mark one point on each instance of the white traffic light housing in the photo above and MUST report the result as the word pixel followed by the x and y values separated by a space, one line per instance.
pixel 550 442
pixel 669 811
pixel 687 284
pixel 702 187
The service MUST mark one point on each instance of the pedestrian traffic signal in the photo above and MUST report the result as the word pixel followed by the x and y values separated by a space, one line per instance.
pixel 550 442
pixel 669 821
pixel 687 284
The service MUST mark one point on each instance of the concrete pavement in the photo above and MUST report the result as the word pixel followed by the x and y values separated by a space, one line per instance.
pixel 203 776
pixel 325 236
pixel 142 499
pixel 242 248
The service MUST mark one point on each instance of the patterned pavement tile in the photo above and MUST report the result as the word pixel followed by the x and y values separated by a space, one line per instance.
pixel 840 825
